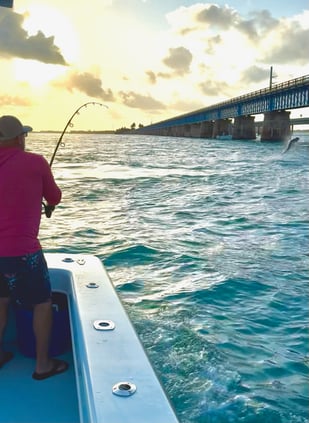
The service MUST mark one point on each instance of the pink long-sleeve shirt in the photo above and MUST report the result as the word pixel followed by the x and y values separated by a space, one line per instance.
pixel 25 180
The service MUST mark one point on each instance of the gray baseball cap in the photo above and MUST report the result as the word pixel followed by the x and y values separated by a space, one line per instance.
pixel 11 127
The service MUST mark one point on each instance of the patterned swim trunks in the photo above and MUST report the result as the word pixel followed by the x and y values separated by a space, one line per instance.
pixel 25 279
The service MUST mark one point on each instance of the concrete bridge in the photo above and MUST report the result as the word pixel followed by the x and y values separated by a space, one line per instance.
pixel 235 117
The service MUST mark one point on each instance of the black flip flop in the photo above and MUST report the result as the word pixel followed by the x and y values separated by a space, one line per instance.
pixel 7 356
pixel 59 366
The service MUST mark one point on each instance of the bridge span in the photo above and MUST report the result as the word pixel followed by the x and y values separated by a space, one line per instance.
pixel 236 118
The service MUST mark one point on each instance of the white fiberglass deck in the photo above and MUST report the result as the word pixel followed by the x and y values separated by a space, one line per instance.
pixel 99 359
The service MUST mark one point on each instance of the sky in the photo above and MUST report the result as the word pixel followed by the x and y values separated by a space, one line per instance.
pixel 146 60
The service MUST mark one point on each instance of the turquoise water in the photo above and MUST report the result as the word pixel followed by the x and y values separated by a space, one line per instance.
pixel 207 244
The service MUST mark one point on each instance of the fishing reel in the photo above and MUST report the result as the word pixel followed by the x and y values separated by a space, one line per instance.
pixel 47 209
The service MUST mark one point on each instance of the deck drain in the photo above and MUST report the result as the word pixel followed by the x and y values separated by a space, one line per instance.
pixel 68 260
pixel 104 325
pixel 124 389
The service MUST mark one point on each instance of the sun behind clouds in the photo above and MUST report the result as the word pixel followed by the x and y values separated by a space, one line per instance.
pixel 35 73
pixel 52 23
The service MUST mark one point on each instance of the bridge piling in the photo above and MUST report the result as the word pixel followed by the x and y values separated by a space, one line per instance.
pixel 276 126
pixel 244 128
pixel 195 130
pixel 207 128
pixel 222 127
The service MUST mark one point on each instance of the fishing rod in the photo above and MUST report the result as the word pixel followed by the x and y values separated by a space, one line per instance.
pixel 48 209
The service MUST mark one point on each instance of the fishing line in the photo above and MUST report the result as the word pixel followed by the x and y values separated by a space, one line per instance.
pixel 47 208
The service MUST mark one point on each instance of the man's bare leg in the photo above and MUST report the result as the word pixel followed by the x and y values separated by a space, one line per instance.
pixel 42 324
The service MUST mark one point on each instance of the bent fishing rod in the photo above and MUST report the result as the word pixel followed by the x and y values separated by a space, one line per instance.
pixel 48 209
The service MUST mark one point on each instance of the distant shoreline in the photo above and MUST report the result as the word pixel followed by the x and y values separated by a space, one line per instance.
pixel 50 131
pixel 115 132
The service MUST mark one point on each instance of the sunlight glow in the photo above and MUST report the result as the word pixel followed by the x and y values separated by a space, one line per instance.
pixel 35 73
pixel 53 22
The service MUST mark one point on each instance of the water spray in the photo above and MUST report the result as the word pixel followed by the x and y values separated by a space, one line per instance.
pixel 47 208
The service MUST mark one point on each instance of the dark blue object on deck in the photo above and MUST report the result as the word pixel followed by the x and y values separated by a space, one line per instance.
pixel 60 336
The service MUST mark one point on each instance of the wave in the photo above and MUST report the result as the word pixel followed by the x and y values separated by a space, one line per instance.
pixel 133 255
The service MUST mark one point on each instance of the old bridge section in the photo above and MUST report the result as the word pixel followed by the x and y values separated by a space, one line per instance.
pixel 235 117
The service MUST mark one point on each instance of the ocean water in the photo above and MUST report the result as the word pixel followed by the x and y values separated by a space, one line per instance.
pixel 206 242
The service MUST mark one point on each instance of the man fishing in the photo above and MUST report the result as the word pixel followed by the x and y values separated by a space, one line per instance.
pixel 25 179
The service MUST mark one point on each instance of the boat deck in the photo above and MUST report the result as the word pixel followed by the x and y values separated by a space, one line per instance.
pixel 110 379
pixel 47 401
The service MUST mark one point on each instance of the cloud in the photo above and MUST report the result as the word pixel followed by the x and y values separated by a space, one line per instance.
pixel 226 46
pixel 13 101
pixel 88 84
pixel 213 43
pixel 165 75
pixel 272 40
pixel 254 74
pixel 138 101
pixel 214 88
pixel 220 17
pixel 201 16
pixel 214 17
pixel 261 23
pixel 179 59
pixel 291 46
pixel 186 105
pixel 151 77
pixel 15 41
